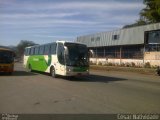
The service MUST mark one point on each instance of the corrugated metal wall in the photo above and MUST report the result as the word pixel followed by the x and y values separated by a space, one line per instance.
pixel 128 36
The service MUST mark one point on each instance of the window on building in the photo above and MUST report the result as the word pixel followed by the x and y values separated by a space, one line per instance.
pixel 92 39
pixel 98 39
pixel 115 37
pixel 153 37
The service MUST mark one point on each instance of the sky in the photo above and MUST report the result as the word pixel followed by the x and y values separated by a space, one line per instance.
pixel 45 21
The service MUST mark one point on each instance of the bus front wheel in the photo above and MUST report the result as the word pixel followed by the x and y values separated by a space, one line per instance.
pixel 9 73
pixel 53 72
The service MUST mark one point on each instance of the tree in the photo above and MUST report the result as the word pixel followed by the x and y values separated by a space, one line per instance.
pixel 21 47
pixel 151 13
pixel 138 23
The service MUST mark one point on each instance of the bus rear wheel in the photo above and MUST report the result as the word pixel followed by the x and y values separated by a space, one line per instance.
pixel 53 72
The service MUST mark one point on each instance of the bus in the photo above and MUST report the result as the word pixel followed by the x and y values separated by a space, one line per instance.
pixel 58 58
pixel 6 60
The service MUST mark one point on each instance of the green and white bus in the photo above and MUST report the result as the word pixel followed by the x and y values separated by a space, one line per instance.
pixel 58 58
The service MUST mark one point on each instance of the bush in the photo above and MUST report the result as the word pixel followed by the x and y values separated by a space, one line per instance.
pixel 147 65
pixel 99 63
pixel 133 64
pixel 127 65
pixel 110 64
pixel 122 65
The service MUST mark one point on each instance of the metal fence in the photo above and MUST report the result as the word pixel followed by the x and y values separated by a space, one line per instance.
pixel 118 52
pixel 118 55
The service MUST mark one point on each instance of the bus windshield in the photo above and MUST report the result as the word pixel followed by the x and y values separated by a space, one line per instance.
pixel 77 55
pixel 6 56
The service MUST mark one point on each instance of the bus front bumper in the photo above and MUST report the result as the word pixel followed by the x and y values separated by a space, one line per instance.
pixel 6 68
pixel 77 73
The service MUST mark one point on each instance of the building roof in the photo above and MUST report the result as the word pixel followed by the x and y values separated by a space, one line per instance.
pixel 126 36
pixel 5 48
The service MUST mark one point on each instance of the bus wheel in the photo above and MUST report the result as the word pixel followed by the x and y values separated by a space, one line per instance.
pixel 52 72
pixel 9 73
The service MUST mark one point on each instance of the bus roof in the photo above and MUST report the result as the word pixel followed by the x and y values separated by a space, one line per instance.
pixel 62 41
pixel 6 48
pixel 58 41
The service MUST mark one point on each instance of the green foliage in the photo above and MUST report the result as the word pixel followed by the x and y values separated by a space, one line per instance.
pixel 147 65
pixel 110 64
pixel 133 64
pixel 150 14
pixel 99 63
pixel 21 47
pixel 138 23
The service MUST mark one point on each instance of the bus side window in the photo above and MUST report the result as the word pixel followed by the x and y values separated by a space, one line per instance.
pixel 32 51
pixel 41 52
pixel 49 52
pixel 46 49
pixel 29 51
pixel 36 50
pixel 53 48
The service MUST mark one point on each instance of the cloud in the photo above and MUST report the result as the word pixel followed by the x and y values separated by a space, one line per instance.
pixel 100 5
pixel 110 5
pixel 53 36
pixel 29 18
pixel 78 5
pixel 48 22
pixel 6 2
pixel 36 15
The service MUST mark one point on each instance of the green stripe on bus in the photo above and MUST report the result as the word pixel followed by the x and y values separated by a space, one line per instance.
pixel 39 63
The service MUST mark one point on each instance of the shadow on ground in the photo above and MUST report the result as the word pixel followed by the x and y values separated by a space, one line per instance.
pixel 89 78
pixel 95 78
pixel 18 73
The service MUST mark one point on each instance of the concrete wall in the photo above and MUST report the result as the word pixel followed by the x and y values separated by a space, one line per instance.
pixel 152 57
pixel 103 61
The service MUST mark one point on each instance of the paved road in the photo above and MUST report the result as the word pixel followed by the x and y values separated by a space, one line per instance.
pixel 101 92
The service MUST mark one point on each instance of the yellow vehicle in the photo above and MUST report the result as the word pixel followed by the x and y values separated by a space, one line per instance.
pixel 6 60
